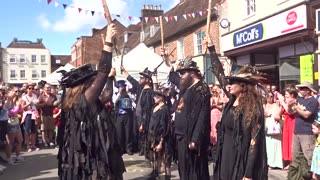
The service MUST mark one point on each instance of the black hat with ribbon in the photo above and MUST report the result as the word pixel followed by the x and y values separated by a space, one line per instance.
pixel 146 73
pixel 76 76
pixel 187 64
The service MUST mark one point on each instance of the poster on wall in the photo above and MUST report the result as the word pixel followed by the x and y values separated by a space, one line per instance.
pixel 306 68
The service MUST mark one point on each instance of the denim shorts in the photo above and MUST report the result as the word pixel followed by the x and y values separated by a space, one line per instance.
pixel 14 128
pixel 29 125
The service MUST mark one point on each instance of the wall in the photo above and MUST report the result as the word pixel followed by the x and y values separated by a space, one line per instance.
pixel 189 41
pixel 236 11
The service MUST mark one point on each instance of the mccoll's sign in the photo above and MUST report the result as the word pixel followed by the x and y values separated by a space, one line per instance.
pixel 248 35
pixel 286 22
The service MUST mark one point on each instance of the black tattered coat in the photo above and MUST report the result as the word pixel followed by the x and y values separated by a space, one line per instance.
pixel 197 130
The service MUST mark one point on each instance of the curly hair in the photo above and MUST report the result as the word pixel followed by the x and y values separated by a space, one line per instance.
pixel 249 105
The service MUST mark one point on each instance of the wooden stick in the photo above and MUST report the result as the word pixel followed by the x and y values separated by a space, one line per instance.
pixel 208 23
pixel 161 30
pixel 109 20
pixel 122 54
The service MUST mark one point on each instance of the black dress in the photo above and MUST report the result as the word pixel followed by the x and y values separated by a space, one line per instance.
pixel 228 154
pixel 241 152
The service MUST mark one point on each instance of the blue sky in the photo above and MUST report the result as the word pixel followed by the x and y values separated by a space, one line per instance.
pixel 59 27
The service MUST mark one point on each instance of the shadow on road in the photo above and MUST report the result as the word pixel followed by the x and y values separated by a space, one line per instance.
pixel 36 166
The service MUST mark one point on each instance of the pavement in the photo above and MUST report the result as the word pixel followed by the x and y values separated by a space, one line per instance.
pixel 42 165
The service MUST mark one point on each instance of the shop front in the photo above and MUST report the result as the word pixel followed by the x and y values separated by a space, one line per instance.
pixel 282 46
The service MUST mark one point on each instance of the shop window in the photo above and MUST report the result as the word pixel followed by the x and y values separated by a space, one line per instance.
pixel 296 69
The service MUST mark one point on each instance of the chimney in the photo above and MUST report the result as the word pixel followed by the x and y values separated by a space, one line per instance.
pixel 151 11
pixel 94 31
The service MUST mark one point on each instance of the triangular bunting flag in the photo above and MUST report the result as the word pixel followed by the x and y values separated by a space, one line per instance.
pixel 166 18
pixel 140 18
pixel 117 15
pixel 56 4
pixel 176 18
pixel 185 16
pixel 157 19
pixel 200 13
pixel 64 6
pixel 79 9
pixel 92 13
pixel 130 18
pixel 189 15
pixel 146 19
pixel 49 1
pixel 193 15
pixel 86 12
pixel 170 18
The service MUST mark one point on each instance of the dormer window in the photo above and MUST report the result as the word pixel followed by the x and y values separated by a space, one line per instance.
pixel 152 31
pixel 141 36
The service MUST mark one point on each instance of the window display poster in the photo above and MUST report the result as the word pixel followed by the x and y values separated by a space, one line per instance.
pixel 306 68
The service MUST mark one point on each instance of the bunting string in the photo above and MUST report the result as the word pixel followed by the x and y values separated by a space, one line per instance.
pixel 150 19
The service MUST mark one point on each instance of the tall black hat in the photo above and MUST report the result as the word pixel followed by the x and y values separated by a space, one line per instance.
pixel 146 73
pixel 76 76
pixel 187 64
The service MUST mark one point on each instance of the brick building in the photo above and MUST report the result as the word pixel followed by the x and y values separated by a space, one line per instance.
pixel 58 61
pixel 184 37
pixel 1 62
pixel 87 49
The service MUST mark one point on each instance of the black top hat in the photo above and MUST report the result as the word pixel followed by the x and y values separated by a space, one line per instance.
pixel 77 76
pixel 246 74
pixel 121 83
pixel 187 64
pixel 146 73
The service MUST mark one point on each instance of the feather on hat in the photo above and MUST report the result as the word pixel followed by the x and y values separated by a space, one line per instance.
pixel 247 74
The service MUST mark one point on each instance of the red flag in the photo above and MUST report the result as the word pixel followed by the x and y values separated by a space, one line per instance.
pixel 79 9
pixel 49 1
pixel 130 18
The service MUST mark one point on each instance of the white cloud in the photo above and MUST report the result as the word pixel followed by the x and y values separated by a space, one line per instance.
pixel 73 21
pixel 43 21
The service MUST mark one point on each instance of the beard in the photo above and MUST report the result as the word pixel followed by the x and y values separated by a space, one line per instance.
pixel 185 83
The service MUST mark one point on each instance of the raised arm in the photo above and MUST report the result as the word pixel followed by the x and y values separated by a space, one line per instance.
pixel 104 67
pixel 108 89
pixel 135 84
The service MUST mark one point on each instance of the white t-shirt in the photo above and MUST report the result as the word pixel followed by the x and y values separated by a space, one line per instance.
pixel 32 99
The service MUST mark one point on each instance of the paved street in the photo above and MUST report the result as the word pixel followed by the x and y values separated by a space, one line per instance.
pixel 43 165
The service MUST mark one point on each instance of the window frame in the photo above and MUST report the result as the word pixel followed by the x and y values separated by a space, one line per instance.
pixel 36 74
pixel 45 73
pixel 24 77
pixel 198 36
pixel 180 48
pixel 14 73
pixel 14 57
pixel 45 59
pixel 33 59
pixel 22 55
pixel 248 5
